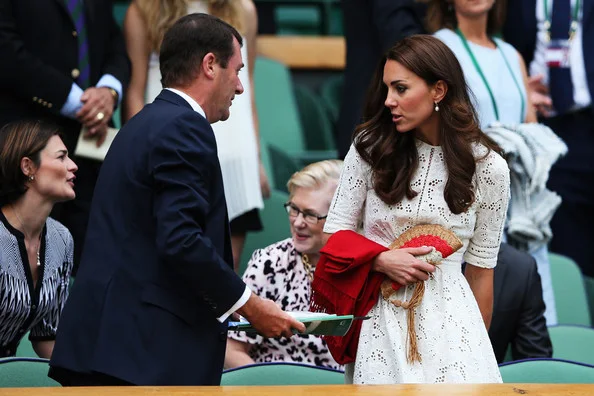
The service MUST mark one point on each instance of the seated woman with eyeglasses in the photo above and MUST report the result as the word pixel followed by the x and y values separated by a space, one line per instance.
pixel 284 270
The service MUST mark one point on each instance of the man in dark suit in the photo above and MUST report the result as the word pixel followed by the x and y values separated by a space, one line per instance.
pixel 518 308
pixel 371 27
pixel 156 283
pixel 564 96
pixel 63 61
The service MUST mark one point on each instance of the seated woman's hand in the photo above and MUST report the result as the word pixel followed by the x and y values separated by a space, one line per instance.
pixel 401 265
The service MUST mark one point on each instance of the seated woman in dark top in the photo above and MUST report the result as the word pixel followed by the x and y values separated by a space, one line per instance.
pixel 283 271
pixel 35 250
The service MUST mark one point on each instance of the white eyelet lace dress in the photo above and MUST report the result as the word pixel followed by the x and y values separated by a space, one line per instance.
pixel 452 338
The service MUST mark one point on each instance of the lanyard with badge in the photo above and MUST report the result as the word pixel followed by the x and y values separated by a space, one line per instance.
pixel 482 75
pixel 557 51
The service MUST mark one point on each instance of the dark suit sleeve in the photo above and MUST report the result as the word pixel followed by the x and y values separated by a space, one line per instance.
pixel 21 72
pixel 185 171
pixel 116 60
pixel 395 20
pixel 531 339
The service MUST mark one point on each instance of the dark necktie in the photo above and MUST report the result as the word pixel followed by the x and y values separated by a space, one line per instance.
pixel 560 84
pixel 76 9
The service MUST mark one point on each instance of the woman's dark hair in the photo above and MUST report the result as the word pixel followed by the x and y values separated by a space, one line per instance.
pixel 441 14
pixel 18 140
pixel 187 42
pixel 392 155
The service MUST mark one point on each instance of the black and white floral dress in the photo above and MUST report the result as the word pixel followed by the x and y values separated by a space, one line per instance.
pixel 277 273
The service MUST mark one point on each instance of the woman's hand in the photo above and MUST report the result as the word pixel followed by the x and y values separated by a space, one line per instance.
pixel 401 265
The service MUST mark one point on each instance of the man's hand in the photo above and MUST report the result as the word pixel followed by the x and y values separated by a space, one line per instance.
pixel 402 266
pixel 268 319
pixel 99 134
pixel 98 105
pixel 539 95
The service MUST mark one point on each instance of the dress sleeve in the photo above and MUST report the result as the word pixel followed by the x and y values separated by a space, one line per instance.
pixel 349 199
pixel 492 193
pixel 258 276
pixel 46 328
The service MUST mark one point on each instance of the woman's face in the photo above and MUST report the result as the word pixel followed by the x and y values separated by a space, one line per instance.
pixel 307 236
pixel 409 99
pixel 473 8
pixel 54 178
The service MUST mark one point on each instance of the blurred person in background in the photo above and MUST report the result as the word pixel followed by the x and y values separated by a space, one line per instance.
pixel 63 61
pixel 555 38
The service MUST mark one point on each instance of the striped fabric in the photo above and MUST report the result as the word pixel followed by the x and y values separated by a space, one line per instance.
pixel 76 8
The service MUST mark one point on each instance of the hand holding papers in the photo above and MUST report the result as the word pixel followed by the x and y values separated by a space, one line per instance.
pixel 87 148
pixel 315 323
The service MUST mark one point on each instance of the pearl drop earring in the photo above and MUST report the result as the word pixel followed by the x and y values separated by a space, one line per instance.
pixel 436 107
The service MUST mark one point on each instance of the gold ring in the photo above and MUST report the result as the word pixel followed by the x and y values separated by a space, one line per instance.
pixel 100 116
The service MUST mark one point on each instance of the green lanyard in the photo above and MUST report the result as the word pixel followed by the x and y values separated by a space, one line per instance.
pixel 574 19
pixel 480 72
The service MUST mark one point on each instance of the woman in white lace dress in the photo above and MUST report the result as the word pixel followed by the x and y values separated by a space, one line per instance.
pixel 421 158
pixel 237 138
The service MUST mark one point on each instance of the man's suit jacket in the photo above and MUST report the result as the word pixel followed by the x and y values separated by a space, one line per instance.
pixel 157 267
pixel 518 309
pixel 39 51
pixel 520 30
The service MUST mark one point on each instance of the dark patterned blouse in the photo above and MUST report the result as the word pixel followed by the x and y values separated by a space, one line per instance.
pixel 277 273
pixel 25 308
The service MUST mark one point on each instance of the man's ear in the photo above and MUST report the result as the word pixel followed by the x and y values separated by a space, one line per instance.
pixel 28 167
pixel 440 89
pixel 208 65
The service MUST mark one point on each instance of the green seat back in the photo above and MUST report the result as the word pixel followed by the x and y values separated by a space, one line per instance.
pixel 573 343
pixel 283 167
pixel 25 373
pixel 331 94
pixel 546 371
pixel 317 127
pixel 25 348
pixel 569 291
pixel 281 374
pixel 589 283
pixel 275 222
pixel 277 110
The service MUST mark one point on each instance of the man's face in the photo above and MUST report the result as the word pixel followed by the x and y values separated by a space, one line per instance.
pixel 227 85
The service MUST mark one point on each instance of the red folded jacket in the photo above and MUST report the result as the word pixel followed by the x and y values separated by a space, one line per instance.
pixel 344 284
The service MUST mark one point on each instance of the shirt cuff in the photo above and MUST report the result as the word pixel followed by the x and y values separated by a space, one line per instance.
pixel 109 81
pixel 240 303
pixel 73 103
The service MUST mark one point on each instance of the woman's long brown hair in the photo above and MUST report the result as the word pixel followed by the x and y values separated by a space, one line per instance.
pixel 393 155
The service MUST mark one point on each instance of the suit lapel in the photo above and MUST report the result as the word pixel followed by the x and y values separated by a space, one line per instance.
pixel 62 5
pixel 529 13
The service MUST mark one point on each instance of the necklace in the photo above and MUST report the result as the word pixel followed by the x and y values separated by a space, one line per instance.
pixel 25 232
pixel 307 265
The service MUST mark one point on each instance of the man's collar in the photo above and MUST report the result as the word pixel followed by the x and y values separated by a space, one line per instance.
pixel 195 106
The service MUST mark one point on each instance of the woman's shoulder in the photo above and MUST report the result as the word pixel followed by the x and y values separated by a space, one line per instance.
pixel 489 159
pixel 57 230
pixel 448 36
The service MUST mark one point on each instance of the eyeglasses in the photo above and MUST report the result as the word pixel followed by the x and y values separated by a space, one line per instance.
pixel 310 218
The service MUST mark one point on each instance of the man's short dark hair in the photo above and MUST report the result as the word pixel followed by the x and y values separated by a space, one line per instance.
pixel 188 41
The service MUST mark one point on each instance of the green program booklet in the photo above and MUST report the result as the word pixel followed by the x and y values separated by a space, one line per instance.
pixel 315 323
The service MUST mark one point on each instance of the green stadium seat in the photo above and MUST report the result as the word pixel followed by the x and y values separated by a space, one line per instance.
pixel 574 343
pixel 281 374
pixel 317 127
pixel 569 291
pixel 546 371
pixel 25 373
